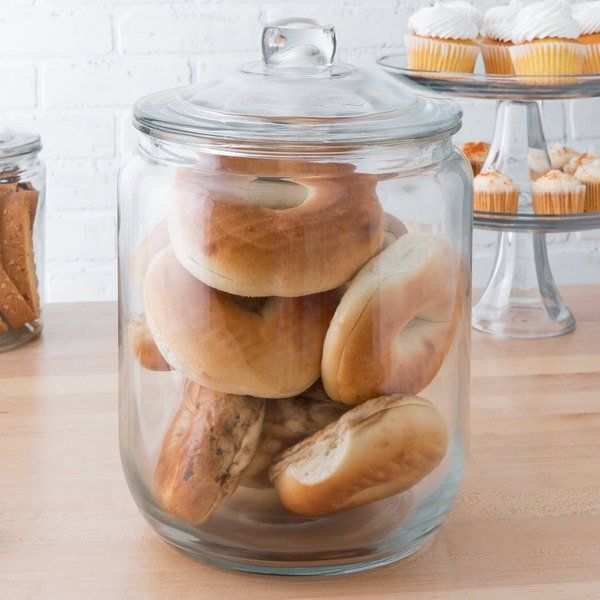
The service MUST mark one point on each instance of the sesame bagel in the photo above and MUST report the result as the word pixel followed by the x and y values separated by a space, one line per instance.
pixel 380 448
pixel 257 227
pixel 209 443
pixel 395 322
pixel 266 347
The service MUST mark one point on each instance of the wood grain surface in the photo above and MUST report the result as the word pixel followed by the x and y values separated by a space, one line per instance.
pixel 527 524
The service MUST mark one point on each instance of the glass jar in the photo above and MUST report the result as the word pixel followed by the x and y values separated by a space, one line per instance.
pixel 22 190
pixel 295 244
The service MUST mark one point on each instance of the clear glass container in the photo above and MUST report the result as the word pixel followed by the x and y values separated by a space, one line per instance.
pixel 22 191
pixel 295 255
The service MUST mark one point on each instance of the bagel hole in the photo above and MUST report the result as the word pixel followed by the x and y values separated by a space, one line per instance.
pixel 276 194
pixel 250 304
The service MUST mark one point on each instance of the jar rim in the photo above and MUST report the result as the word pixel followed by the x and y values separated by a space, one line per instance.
pixel 18 142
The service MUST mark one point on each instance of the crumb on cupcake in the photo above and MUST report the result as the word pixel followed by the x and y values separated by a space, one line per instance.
pixel 561 155
pixel 578 161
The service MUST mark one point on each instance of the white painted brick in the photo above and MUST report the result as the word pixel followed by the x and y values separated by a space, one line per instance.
pixel 81 185
pixel 85 235
pixel 583 118
pixel 18 85
pixel 478 121
pixel 109 82
pixel 55 33
pixel 197 31
pixel 128 135
pixel 67 135
pixel 81 281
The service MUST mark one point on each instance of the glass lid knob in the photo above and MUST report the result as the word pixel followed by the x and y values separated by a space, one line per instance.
pixel 298 43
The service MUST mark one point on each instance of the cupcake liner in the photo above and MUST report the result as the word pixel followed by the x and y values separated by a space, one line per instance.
pixel 426 54
pixel 592 59
pixel 497 59
pixel 559 203
pixel 548 58
pixel 592 196
pixel 499 201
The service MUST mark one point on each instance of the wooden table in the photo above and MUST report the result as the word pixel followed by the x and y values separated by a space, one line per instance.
pixel 527 524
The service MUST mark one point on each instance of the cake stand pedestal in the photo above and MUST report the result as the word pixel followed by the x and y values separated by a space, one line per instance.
pixel 521 298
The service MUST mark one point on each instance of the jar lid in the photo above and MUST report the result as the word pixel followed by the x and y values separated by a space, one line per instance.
pixel 16 142
pixel 297 95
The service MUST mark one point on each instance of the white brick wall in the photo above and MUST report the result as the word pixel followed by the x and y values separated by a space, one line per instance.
pixel 71 69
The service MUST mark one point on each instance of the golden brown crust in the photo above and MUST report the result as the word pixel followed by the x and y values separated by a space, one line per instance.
pixel 209 444
pixel 395 323
pixel 266 347
pixel 380 448
pixel 144 347
pixel 288 421
pixel 231 230
pixel 3 326
pixel 476 153
pixel 17 245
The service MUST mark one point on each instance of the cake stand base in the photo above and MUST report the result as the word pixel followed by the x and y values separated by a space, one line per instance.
pixel 521 299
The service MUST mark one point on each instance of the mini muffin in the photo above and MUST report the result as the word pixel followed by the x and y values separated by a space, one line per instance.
pixel 578 161
pixel 545 41
pixel 561 155
pixel 558 193
pixel 497 31
pixel 587 14
pixel 538 162
pixel 589 174
pixel 441 39
pixel 476 153
pixel 495 192
pixel 468 9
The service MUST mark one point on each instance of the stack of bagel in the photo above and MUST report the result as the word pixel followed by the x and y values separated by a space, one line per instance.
pixel 303 321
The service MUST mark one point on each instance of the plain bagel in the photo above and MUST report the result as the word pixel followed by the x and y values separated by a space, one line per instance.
pixel 395 322
pixel 144 347
pixel 208 445
pixel 256 227
pixel 380 448
pixel 266 347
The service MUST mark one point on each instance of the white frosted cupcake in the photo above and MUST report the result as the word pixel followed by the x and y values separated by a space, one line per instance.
pixel 468 9
pixel 538 162
pixel 441 39
pixel 561 155
pixel 578 161
pixel 589 174
pixel 495 192
pixel 587 14
pixel 497 31
pixel 545 41
pixel 555 192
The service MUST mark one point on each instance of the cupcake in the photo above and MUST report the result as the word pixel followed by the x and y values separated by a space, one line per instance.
pixel 545 41
pixel 497 31
pixel 558 193
pixel 495 192
pixel 578 161
pixel 589 174
pixel 538 162
pixel 561 155
pixel 468 9
pixel 476 153
pixel 587 14
pixel 442 39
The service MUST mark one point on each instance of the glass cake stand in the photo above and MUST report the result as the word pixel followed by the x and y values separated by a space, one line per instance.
pixel 521 299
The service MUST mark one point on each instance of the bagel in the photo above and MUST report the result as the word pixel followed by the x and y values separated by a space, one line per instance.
pixel 209 443
pixel 266 347
pixel 380 448
pixel 393 229
pixel 144 347
pixel 395 322
pixel 286 422
pixel 146 251
pixel 258 227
